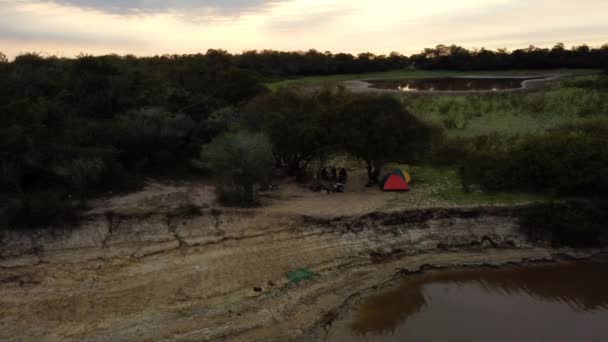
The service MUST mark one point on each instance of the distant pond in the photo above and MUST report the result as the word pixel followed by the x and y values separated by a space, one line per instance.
pixel 564 302
pixel 451 84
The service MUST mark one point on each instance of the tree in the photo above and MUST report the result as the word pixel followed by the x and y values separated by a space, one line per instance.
pixel 3 58
pixel 84 172
pixel 297 124
pixel 242 161
pixel 559 47
pixel 377 129
pixel 11 175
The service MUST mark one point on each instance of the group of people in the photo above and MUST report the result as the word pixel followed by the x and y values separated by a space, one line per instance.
pixel 341 176
pixel 338 177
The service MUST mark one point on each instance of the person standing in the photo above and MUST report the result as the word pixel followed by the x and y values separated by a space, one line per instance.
pixel 343 176
pixel 324 173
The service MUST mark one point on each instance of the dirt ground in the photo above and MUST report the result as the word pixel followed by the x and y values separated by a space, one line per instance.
pixel 296 199
pixel 143 268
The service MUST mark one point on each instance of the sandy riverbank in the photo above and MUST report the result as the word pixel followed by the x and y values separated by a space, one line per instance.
pixel 142 267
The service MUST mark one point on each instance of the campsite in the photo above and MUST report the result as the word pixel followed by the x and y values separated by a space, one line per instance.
pixel 157 188
pixel 161 255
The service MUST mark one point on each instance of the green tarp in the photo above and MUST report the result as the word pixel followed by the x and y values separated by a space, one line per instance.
pixel 299 275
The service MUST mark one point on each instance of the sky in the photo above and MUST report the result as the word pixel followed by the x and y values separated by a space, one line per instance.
pixel 149 27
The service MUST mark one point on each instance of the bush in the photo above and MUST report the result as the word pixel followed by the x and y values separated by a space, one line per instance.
pixel 491 171
pixel 298 124
pixel 39 209
pixel 452 151
pixel 574 223
pixel 566 165
pixel 304 126
pixel 242 162
pixel 84 172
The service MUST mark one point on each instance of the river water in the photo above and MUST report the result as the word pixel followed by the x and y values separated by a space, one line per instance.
pixel 451 84
pixel 558 302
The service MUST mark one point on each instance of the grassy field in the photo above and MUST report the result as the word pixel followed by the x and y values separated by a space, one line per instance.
pixel 567 101
pixel 444 184
pixel 333 79
pixel 440 186
pixel 505 117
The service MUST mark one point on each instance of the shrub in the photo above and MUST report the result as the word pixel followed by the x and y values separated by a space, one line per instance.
pixel 566 165
pixel 491 171
pixel 298 124
pixel 39 209
pixel 11 211
pixel 304 126
pixel 83 173
pixel 574 223
pixel 451 151
pixel 242 161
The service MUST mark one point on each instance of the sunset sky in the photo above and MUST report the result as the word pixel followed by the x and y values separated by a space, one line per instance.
pixel 149 27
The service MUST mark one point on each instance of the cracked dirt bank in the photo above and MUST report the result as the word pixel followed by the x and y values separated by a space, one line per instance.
pixel 189 273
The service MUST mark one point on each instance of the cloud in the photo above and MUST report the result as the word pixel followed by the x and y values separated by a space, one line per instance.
pixel 32 24
pixel 298 19
pixel 518 23
pixel 145 27
pixel 181 7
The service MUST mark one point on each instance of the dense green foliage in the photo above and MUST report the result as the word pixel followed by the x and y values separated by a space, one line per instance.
pixel 71 129
pixel 570 101
pixel 103 123
pixel 242 162
pixel 308 126
pixel 567 165
pixel 458 58
pixel 553 140
pixel 580 223
pixel 378 129
pixel 299 124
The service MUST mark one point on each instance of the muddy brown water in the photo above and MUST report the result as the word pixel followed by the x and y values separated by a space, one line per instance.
pixel 565 302
pixel 451 84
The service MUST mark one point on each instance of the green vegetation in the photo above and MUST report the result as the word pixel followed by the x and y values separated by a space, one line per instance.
pixel 315 81
pixel 444 184
pixel 299 125
pixel 579 100
pixel 306 126
pixel 242 161
pixel 559 162
pixel 579 223
pixel 73 129
pixel 392 134
pixel 553 139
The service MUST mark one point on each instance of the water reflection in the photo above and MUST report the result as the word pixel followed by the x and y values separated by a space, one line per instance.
pixel 475 304
pixel 450 84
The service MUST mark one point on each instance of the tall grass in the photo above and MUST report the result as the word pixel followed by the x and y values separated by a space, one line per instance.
pixel 578 101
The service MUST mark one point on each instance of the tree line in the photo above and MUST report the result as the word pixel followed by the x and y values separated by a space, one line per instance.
pixel 73 128
pixel 70 128
pixel 288 130
pixel 458 58
pixel 272 64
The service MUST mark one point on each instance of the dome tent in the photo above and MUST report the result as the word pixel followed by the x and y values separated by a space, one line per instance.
pixel 397 181
pixel 404 174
